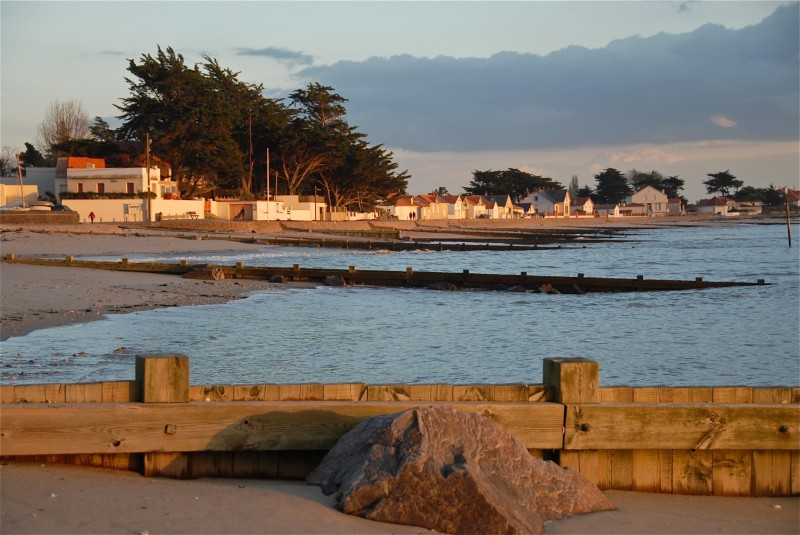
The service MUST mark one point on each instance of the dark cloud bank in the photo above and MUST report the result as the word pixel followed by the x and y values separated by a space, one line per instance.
pixel 712 83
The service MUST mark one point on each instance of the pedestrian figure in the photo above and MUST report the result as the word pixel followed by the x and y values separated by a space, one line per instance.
pixel 91 217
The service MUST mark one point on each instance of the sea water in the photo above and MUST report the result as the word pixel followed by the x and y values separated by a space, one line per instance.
pixel 286 334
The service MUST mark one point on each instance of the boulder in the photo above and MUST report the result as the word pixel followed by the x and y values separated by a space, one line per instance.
pixel 452 472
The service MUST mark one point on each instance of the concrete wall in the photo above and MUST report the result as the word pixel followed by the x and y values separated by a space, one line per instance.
pixel 10 194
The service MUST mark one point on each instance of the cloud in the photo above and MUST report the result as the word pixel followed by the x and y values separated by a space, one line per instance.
pixel 283 55
pixel 721 120
pixel 654 90
pixel 650 155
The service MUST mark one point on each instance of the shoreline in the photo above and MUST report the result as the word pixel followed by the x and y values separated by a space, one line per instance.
pixel 41 297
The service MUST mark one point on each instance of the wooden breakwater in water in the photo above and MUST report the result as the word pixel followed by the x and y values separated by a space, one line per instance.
pixel 725 441
pixel 409 278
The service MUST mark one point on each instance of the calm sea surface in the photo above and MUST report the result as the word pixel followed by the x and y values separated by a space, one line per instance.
pixel 729 336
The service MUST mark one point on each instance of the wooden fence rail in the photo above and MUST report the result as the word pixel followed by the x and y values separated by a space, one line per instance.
pixel 737 441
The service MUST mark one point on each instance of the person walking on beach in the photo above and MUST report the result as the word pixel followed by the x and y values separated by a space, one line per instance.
pixel 91 217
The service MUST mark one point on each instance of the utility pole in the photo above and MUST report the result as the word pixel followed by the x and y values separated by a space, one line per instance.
pixel 21 191
pixel 147 163
pixel 788 220
pixel 267 183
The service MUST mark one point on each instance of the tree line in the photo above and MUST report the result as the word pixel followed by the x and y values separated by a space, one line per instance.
pixel 216 131
pixel 613 186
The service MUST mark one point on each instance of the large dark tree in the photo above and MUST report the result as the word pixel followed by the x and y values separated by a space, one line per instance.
pixel 187 115
pixel 722 182
pixel 513 182
pixel 334 156
pixel 32 157
pixel 612 187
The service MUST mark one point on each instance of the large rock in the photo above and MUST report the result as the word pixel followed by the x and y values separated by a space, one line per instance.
pixel 452 472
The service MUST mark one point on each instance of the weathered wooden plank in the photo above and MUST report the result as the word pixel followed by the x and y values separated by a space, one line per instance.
pixel 621 469
pixel 573 380
pixel 119 428
pixel 167 464
pixel 569 459
pixel 772 395
pixel 302 392
pixel 654 394
pixel 344 392
pixel 121 392
pixel 251 464
pixel 692 472
pixel 424 392
pixel 651 471
pixel 496 393
pixel 537 393
pixel 795 475
pixel 211 464
pixel 732 394
pixel 596 466
pixel 211 393
pixel 772 471
pixel 164 378
pixel 41 393
pixel 616 394
pixel 84 393
pixel 7 394
pixel 682 426
pixel 731 472
pixel 693 394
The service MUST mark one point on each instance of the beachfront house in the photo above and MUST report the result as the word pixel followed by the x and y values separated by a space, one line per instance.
pixel 675 207
pixel 654 200
pixel 114 194
pixel 475 207
pixel 581 206
pixel 550 203
pixel 504 207
pixel 405 208
pixel 606 210
pixel 432 207
pixel 717 205
pixel 456 207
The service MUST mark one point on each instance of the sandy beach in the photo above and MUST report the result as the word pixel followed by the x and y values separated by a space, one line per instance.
pixel 38 498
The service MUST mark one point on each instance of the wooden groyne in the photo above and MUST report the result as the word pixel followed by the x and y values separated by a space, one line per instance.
pixel 723 441
pixel 465 280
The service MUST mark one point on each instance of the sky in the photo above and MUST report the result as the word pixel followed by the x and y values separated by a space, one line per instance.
pixel 554 88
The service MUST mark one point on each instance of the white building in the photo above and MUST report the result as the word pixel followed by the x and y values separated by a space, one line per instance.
pixel 654 200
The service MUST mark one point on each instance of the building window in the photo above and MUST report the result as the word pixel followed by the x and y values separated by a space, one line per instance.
pixel 129 187
pixel 101 188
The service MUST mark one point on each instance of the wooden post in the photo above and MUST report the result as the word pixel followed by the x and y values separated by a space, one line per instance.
pixel 572 380
pixel 165 379
pixel 576 380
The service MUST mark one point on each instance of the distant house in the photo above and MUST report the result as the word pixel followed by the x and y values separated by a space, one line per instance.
pixel 633 209
pixel 405 208
pixel 504 205
pixel 475 207
pixel 552 203
pixel 716 205
pixel 581 206
pixel 654 200
pixel 749 206
pixel 675 207
pixel 792 195
pixel 528 209
pixel 456 207
pixel 432 207
pixel 607 210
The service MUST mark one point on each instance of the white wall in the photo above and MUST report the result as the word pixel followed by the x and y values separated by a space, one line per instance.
pixel 10 194
pixel 109 210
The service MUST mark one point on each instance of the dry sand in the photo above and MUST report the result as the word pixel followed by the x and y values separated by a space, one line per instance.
pixel 66 499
